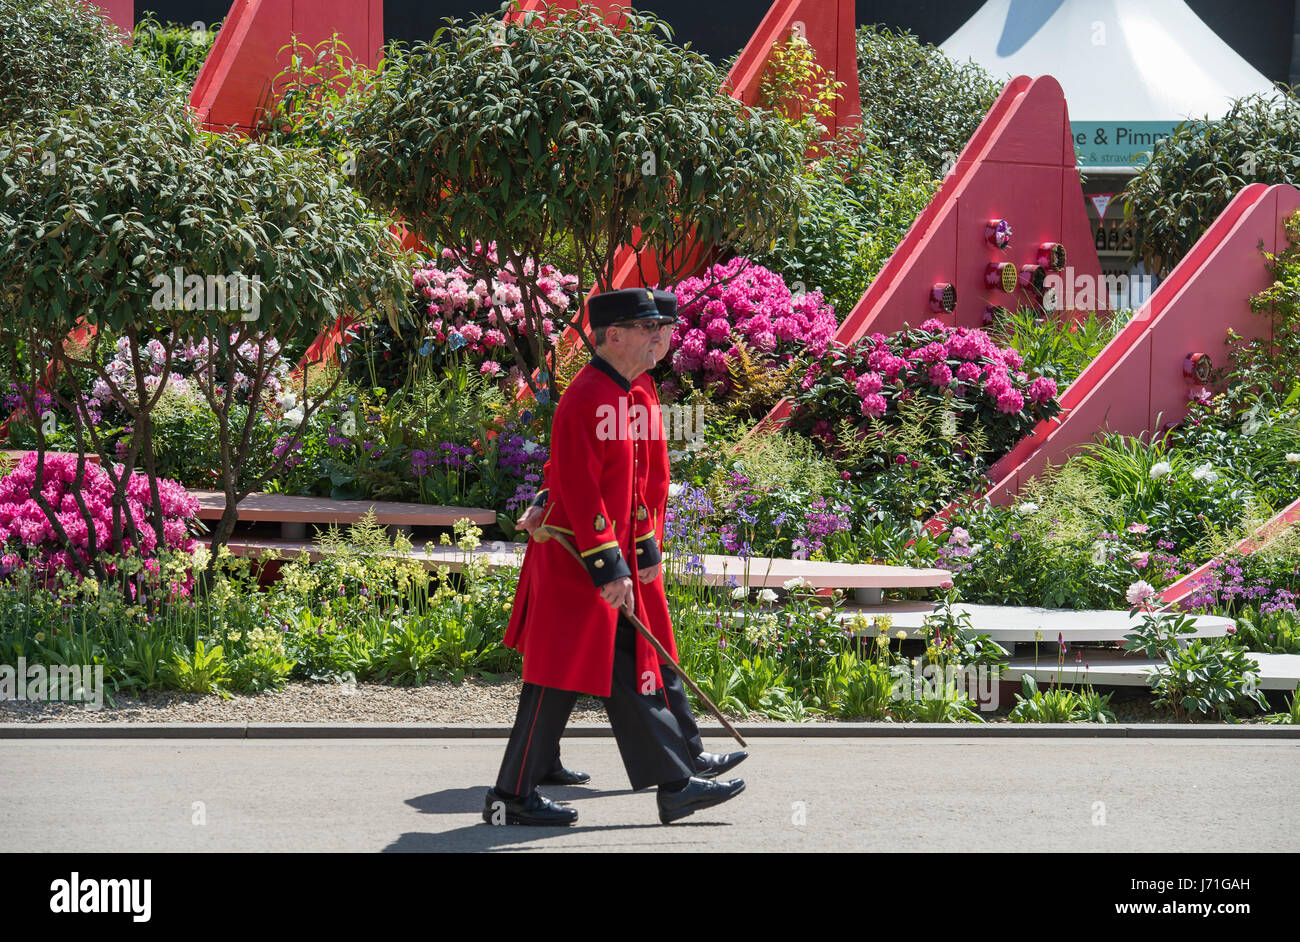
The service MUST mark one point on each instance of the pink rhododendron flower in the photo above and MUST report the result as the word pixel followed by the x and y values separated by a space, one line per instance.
pixel 867 384
pixel 1042 390
pixel 22 521
pixel 940 374
pixel 1010 401
pixel 741 302
pixel 874 405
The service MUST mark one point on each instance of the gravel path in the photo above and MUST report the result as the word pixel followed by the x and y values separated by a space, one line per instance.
pixel 475 701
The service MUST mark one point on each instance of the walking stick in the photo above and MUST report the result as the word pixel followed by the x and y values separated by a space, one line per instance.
pixel 543 533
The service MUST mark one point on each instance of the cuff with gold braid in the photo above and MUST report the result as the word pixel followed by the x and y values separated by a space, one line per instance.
pixel 647 550
pixel 605 563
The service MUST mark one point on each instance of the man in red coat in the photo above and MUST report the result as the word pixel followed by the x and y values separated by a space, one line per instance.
pixel 566 619
pixel 653 481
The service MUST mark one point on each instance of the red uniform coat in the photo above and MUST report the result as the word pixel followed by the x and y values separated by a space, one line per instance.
pixel 654 473
pixel 594 496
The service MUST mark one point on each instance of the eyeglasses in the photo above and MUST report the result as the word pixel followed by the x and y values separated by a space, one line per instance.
pixel 642 326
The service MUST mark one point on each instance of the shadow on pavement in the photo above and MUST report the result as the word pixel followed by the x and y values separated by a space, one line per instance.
pixel 485 837
pixel 470 800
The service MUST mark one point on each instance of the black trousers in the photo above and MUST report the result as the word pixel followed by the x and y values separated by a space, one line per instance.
pixel 674 694
pixel 650 740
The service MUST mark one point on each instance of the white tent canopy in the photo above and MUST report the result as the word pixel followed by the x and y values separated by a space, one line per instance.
pixel 1130 69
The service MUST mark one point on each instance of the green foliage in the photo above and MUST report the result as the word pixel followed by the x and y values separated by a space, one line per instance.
pixel 174 48
pixel 322 92
pixel 563 128
pixel 1265 371
pixel 1275 633
pixel 1202 677
pixel 60 54
pixel 917 104
pixel 1056 346
pixel 1196 171
pixel 203 670
pixel 857 201
pixel 797 88
pixel 1056 705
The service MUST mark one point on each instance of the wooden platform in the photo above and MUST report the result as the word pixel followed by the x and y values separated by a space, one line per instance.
pixel 290 508
pixel 772 573
pixel 760 572
pixel 1010 624
pixel 1118 669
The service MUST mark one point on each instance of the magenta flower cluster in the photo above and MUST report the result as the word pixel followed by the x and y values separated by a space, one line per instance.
pixel 742 302
pixel 959 366
pixel 22 522
pixel 472 313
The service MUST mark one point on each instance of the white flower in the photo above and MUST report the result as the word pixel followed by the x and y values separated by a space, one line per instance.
pixel 960 536
pixel 675 488
pixel 293 417
pixel 1100 552
pixel 766 595
pixel 796 583
pixel 287 401
pixel 1160 470
pixel 1292 457
pixel 529 447
pixel 1205 473
pixel 739 593
pixel 1028 507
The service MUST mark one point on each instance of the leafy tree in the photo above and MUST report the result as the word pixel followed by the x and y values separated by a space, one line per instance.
pixel 55 54
pixel 565 129
pixel 134 194
pixel 1196 171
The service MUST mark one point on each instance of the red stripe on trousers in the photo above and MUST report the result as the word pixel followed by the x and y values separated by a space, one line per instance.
pixel 523 764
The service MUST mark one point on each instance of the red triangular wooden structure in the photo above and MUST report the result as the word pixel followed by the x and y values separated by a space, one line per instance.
pixel 237 78
pixel 1140 381
pixel 1019 167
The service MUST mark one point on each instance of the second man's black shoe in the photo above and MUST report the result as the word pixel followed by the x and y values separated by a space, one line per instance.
pixel 534 809
pixel 563 776
pixel 711 765
pixel 698 794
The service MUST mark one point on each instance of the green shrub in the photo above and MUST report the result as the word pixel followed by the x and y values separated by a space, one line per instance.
pixel 1196 171
pixel 174 48
pixel 918 105
pixel 58 54
pixel 857 203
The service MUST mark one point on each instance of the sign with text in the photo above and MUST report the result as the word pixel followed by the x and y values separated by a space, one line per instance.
pixel 1117 143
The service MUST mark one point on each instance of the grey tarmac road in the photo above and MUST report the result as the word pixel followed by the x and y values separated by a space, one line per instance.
pixel 815 795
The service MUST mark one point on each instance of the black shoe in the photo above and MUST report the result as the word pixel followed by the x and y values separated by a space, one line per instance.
pixel 534 809
pixel 697 794
pixel 563 776
pixel 711 765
